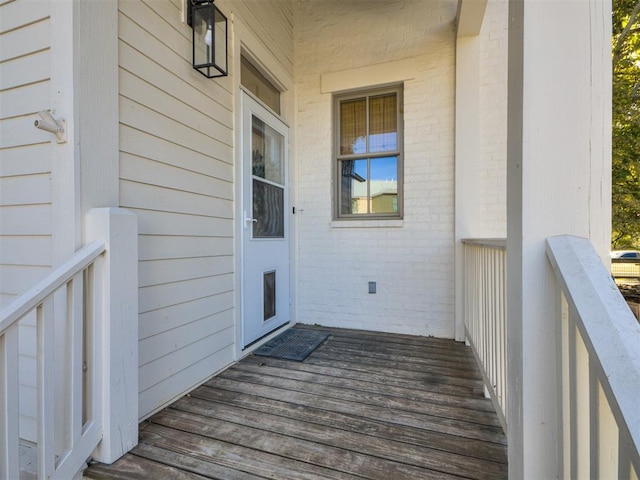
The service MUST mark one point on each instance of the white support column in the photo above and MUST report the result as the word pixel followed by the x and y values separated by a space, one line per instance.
pixel 96 100
pixel 118 330
pixel 470 16
pixel 558 182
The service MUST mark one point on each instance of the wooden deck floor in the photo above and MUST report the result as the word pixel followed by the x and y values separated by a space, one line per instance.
pixel 363 405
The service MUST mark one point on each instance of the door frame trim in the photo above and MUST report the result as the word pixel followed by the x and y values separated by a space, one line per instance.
pixel 251 108
pixel 245 41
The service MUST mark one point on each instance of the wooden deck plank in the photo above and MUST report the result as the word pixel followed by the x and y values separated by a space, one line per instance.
pixel 364 405
pixel 281 368
pixel 405 373
pixel 455 355
pixel 235 456
pixel 400 452
pixel 264 377
pixel 411 419
pixel 405 339
pixel 366 426
pixel 207 468
pixel 131 467
pixel 395 363
pixel 397 360
pixel 313 453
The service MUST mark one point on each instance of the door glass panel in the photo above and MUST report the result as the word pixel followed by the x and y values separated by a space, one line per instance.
pixel 268 210
pixel 269 295
pixel 267 152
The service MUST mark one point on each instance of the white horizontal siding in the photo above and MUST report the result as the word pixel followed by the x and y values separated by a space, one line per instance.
pixel 159 272
pixel 178 314
pixel 270 21
pixel 22 13
pixel 161 150
pixel 176 174
pixel 26 40
pixel 161 394
pixel 26 219
pixel 24 70
pixel 25 174
pixel 176 362
pixel 165 247
pixel 158 297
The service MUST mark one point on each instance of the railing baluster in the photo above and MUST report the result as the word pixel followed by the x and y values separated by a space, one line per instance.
pixel 46 406
pixel 9 403
pixel 75 301
pixel 485 314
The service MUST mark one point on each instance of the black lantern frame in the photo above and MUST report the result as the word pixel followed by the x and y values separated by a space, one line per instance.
pixel 209 39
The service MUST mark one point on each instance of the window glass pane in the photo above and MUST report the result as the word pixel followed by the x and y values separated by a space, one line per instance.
pixel 354 187
pixel 353 126
pixel 383 123
pixel 268 155
pixel 268 210
pixel 257 83
pixel 384 185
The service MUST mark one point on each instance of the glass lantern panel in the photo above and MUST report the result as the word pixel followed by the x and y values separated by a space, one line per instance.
pixel 220 45
pixel 202 36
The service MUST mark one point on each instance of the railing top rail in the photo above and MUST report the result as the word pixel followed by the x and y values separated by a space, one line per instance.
pixel 609 328
pixel 498 243
pixel 58 277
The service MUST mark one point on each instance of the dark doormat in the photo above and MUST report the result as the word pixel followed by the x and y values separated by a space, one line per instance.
pixel 293 344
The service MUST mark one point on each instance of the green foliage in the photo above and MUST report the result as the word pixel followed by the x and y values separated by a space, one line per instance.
pixel 626 125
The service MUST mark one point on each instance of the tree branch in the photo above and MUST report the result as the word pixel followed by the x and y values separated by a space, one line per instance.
pixel 625 32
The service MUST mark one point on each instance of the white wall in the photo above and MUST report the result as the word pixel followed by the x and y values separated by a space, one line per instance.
pixel 492 164
pixel 177 176
pixel 412 259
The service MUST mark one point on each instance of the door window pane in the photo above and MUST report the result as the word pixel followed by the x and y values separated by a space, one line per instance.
pixel 267 152
pixel 268 210
pixel 259 85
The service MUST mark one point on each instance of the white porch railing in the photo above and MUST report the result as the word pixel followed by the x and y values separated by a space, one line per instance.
pixel 86 348
pixel 63 445
pixel 600 366
pixel 485 297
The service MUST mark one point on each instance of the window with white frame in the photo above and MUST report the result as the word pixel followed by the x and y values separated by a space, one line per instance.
pixel 368 154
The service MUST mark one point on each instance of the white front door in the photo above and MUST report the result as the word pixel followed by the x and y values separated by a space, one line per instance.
pixel 265 221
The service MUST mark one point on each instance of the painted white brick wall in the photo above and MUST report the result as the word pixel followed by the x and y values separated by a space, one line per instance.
pixel 413 263
pixel 492 186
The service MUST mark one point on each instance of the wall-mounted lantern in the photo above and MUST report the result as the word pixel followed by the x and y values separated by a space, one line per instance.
pixel 209 39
